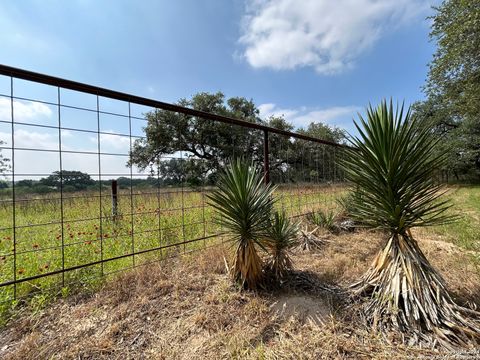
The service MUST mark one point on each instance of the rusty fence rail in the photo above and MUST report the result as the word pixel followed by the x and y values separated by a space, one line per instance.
pixel 73 208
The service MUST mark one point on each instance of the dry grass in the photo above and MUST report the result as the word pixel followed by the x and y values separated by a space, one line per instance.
pixel 186 308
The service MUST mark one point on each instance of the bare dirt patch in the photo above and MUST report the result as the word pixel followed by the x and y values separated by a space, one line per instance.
pixel 302 306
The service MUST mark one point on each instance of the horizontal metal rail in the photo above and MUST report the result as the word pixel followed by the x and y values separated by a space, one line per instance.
pixel 95 90
pixel 103 261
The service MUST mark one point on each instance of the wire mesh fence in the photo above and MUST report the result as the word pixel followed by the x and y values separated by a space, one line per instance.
pixel 80 199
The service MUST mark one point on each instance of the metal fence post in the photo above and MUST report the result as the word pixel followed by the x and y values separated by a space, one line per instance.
pixel 266 162
pixel 114 200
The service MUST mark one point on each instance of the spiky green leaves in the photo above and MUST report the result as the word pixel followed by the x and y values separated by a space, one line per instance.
pixel 281 238
pixel 323 219
pixel 244 201
pixel 282 232
pixel 392 165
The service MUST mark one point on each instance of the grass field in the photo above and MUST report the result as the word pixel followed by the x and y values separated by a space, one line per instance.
pixel 54 232
pixel 465 232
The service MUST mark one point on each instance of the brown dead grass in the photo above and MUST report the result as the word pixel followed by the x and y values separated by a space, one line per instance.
pixel 186 308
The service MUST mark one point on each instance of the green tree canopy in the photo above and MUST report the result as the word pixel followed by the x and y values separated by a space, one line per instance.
pixel 185 148
pixel 325 132
pixel 455 69
pixel 453 85
pixel 168 132
pixel 75 179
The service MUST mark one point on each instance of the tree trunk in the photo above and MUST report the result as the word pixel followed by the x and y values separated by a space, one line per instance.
pixel 405 293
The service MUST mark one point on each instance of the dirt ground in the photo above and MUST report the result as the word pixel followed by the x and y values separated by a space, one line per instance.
pixel 186 308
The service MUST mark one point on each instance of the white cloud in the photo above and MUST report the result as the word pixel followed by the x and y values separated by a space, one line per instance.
pixel 324 34
pixel 28 163
pixel 269 109
pixel 340 116
pixel 24 111
pixel 35 140
pixel 112 143
pixel 67 134
pixel 116 141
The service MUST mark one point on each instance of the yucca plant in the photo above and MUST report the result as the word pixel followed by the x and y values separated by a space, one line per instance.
pixel 324 219
pixel 391 165
pixel 281 238
pixel 244 203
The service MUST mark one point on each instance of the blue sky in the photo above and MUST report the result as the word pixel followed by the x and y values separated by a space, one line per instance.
pixel 311 60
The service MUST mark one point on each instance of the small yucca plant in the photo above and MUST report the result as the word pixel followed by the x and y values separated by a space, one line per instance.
pixel 244 203
pixel 323 219
pixel 281 238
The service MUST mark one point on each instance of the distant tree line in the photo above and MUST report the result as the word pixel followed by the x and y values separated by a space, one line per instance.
pixel 71 181
pixel 67 180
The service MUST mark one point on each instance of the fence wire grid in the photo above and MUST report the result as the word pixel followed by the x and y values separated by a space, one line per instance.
pixel 72 207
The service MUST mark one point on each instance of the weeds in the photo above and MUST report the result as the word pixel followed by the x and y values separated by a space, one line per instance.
pixel 325 219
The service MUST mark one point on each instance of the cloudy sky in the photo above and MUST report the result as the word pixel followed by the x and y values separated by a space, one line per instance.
pixel 310 60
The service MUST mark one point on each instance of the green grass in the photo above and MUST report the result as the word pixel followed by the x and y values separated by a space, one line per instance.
pixel 88 233
pixel 465 232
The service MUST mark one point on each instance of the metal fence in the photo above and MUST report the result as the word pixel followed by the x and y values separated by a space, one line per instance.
pixel 59 227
